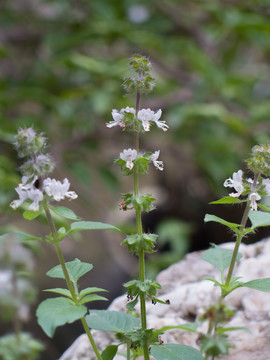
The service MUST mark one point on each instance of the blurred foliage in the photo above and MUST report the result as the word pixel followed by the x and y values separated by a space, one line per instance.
pixel 62 64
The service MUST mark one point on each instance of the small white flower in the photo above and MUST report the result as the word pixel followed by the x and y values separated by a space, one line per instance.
pixel 159 123
pixel 58 190
pixel 27 190
pixel 158 164
pixel 145 116
pixel 118 117
pixel 266 184
pixel 129 156
pixel 235 182
pixel 254 197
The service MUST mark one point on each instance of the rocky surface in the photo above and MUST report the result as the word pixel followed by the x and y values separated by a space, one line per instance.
pixel 182 284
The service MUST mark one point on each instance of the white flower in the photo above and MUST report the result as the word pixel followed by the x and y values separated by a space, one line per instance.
pixel 145 116
pixel 58 190
pixel 235 182
pixel 118 117
pixel 160 124
pixel 266 184
pixel 26 191
pixel 254 197
pixel 158 164
pixel 128 156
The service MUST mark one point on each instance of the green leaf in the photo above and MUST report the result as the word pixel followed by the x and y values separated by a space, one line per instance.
pixel 112 321
pixel 259 218
pixel 192 327
pixel 219 257
pixel 209 217
pixel 89 225
pixel 234 328
pixel 259 284
pixel 90 290
pixel 76 269
pixel 228 200
pixel 60 291
pixel 264 207
pixel 65 212
pixel 110 352
pixel 31 215
pixel 52 313
pixel 26 237
pixel 175 352
pixel 91 297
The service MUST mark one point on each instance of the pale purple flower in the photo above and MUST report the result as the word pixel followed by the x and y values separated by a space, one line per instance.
pixel 254 197
pixel 59 191
pixel 118 117
pixel 129 156
pixel 27 190
pixel 158 164
pixel 235 182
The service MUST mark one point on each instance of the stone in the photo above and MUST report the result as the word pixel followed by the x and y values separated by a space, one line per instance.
pixel 183 284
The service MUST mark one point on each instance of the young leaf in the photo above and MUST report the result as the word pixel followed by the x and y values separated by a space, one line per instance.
pixel 209 217
pixel 219 257
pixel 76 269
pixel 192 327
pixel 25 237
pixel 91 297
pixel 60 291
pixel 90 290
pixel 89 225
pixel 52 313
pixel 65 212
pixel 259 218
pixel 110 352
pixel 112 321
pixel 175 352
pixel 227 200
pixel 31 215
pixel 259 284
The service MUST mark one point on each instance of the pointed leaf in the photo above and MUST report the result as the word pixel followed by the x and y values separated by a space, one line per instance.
pixel 76 269
pixel 228 200
pixel 209 217
pixel 90 225
pixel 192 327
pixel 25 237
pixel 60 291
pixel 259 284
pixel 90 290
pixel 55 312
pixel 65 212
pixel 259 218
pixel 219 257
pixel 110 352
pixel 91 297
pixel 175 352
pixel 112 321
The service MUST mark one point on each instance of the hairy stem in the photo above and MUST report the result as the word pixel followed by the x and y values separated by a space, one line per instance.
pixel 240 234
pixel 140 232
pixel 67 277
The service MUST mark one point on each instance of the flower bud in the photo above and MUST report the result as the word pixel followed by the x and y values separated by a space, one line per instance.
pixel 28 142
pixel 259 163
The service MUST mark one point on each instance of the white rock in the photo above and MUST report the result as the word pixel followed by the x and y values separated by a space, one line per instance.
pixel 182 284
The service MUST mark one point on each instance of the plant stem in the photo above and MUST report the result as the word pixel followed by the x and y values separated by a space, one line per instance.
pixel 240 234
pixel 67 277
pixel 140 232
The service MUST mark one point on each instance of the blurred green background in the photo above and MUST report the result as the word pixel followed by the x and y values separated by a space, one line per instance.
pixel 62 63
